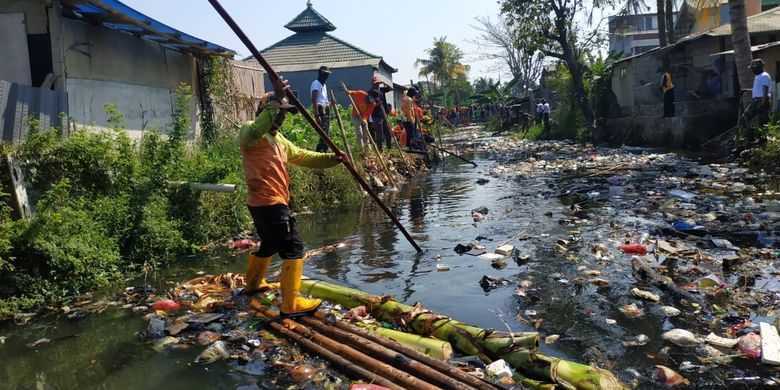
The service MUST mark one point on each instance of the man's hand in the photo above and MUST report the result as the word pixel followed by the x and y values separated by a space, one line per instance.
pixel 341 156
pixel 280 87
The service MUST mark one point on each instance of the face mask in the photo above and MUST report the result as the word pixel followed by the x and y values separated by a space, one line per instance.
pixel 757 70
pixel 324 76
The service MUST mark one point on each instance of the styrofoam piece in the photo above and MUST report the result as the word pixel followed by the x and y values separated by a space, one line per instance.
pixel 770 344
pixel 505 250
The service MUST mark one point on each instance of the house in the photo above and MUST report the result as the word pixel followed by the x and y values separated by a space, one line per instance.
pixel 633 34
pixel 299 56
pixel 74 56
pixel 706 87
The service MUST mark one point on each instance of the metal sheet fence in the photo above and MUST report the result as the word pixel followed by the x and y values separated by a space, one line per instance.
pixel 19 104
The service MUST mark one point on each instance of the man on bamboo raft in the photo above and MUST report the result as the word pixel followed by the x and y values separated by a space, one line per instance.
pixel 266 153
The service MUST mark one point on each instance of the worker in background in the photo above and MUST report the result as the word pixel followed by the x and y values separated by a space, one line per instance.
pixel 366 103
pixel 407 115
pixel 539 110
pixel 321 104
pixel 667 88
pixel 376 121
pixel 265 154
pixel 546 115
pixel 761 104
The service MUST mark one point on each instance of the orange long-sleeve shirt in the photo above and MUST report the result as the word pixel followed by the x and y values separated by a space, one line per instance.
pixel 265 161
pixel 363 109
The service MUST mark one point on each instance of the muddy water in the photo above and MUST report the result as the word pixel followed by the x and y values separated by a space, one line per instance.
pixel 102 351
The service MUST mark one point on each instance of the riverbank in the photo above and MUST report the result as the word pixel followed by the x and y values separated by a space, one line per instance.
pixel 105 209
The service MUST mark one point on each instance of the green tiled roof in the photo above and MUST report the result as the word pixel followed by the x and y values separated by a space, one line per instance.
pixel 310 20
pixel 314 48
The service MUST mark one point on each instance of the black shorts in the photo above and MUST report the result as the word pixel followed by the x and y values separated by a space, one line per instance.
pixel 277 232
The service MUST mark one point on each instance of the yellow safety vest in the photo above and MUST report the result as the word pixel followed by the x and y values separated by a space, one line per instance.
pixel 667 85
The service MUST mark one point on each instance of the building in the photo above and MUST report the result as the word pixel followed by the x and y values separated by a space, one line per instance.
pixel 633 34
pixel 299 56
pixel 706 86
pixel 74 56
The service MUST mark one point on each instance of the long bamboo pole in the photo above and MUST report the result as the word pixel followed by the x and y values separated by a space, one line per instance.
pixel 455 155
pixel 386 355
pixel 371 139
pixel 397 144
pixel 402 378
pixel 414 354
pixel 335 358
pixel 273 76
pixel 341 127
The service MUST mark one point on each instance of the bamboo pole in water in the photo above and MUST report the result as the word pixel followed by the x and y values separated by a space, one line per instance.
pixel 386 355
pixel 399 377
pixel 331 355
pixel 434 347
pixel 414 354
pixel 517 349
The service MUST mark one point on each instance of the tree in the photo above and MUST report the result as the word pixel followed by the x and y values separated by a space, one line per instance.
pixel 549 26
pixel 443 65
pixel 497 43
pixel 740 40
pixel 482 84
pixel 661 17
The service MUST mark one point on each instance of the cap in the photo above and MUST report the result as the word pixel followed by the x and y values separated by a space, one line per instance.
pixel 270 98
pixel 757 62
pixel 325 69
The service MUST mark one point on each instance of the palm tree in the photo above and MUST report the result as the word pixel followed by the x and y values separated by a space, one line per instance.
pixel 661 16
pixel 740 40
pixel 443 64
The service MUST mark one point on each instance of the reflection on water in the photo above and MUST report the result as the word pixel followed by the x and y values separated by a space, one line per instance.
pixel 103 352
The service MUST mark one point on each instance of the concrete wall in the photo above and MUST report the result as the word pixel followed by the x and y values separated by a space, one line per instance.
pixel 15 64
pixel 34 12
pixel 105 66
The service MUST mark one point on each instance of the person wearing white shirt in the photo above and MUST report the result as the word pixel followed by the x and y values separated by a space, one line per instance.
pixel 321 104
pixel 760 106
pixel 546 115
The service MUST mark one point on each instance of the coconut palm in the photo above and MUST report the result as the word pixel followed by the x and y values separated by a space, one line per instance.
pixel 443 64
pixel 740 40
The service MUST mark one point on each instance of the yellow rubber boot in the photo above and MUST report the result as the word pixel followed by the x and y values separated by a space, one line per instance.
pixel 256 267
pixel 292 303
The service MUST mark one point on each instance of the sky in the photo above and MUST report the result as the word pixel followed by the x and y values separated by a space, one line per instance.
pixel 400 32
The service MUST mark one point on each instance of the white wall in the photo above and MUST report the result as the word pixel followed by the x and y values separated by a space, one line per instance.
pixel 105 66
pixel 15 62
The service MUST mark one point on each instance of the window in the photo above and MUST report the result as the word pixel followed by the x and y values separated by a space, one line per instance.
pixel 649 23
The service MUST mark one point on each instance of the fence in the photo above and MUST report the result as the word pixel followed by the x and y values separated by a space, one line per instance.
pixel 20 103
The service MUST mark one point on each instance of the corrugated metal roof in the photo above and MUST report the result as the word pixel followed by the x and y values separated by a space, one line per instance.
pixel 766 21
pixel 310 20
pixel 115 15
pixel 314 48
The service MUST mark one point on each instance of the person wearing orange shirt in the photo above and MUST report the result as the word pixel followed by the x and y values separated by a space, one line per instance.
pixel 408 115
pixel 366 102
pixel 265 154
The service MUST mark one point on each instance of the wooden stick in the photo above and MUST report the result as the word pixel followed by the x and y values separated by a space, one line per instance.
pixel 453 154
pixel 414 354
pixel 386 355
pixel 341 128
pixel 273 76
pixel 371 138
pixel 335 358
pixel 402 378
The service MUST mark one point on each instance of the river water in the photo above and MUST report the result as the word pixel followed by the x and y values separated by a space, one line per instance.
pixel 103 351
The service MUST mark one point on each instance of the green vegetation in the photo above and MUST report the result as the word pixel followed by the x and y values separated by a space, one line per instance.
pixel 766 153
pixel 104 207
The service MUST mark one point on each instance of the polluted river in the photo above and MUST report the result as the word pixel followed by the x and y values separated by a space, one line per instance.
pixel 585 225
